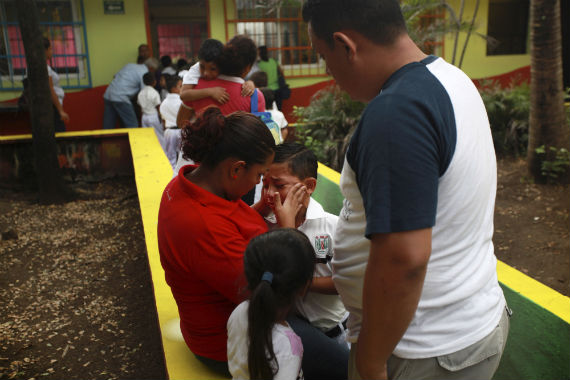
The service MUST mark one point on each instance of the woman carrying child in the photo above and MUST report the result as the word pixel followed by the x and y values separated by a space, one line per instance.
pixel 279 267
pixel 204 227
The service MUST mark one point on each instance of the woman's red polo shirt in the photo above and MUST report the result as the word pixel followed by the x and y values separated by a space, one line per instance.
pixel 201 239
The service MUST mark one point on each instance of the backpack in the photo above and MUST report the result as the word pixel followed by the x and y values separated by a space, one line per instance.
pixel 266 118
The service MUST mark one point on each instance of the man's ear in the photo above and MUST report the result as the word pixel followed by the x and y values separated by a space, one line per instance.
pixel 310 183
pixel 344 41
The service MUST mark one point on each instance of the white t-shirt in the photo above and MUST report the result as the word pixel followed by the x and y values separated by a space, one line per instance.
pixel 423 157
pixel 169 109
pixel 148 98
pixel 324 311
pixel 287 347
pixel 193 74
pixel 56 87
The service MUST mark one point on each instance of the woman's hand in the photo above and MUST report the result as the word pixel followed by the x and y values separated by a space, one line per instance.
pixel 287 212
pixel 247 88
pixel 64 116
pixel 219 94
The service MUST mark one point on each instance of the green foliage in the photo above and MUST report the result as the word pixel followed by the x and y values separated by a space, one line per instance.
pixel 555 167
pixel 327 123
pixel 508 110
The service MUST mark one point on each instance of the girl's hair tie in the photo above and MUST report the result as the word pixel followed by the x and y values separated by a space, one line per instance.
pixel 267 276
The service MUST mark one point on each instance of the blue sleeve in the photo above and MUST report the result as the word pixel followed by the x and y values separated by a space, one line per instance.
pixel 400 149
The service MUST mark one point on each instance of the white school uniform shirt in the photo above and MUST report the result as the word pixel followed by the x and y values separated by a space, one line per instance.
pixel 193 74
pixel 324 311
pixel 169 110
pixel 148 98
pixel 287 347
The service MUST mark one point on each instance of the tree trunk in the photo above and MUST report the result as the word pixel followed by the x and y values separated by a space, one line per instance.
pixel 52 188
pixel 547 118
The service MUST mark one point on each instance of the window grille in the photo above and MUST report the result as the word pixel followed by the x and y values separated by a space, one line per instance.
pixel 63 23
pixel 181 40
pixel 279 26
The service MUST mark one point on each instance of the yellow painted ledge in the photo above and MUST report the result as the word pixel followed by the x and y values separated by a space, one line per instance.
pixel 538 293
pixel 152 174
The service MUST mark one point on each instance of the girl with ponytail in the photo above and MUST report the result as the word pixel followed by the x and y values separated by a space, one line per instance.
pixel 279 267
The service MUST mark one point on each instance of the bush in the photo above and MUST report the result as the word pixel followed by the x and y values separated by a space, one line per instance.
pixel 327 124
pixel 508 110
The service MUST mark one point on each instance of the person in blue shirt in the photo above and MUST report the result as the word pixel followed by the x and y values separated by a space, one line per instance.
pixel 125 85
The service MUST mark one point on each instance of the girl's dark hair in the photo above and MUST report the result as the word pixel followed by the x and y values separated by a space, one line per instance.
pixel 301 161
pixel 239 53
pixel 215 137
pixel 210 50
pixel 47 44
pixel 289 256
pixel 381 21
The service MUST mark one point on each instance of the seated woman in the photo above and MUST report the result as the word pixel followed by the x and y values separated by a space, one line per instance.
pixel 204 227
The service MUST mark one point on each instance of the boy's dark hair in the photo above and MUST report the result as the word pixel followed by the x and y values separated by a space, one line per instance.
pixel 263 53
pixel 181 64
pixel 215 137
pixel 210 50
pixel 381 21
pixel 289 259
pixel 237 55
pixel 46 42
pixel 259 79
pixel 172 81
pixel 301 160
pixel 148 78
pixel 165 61
pixel 269 96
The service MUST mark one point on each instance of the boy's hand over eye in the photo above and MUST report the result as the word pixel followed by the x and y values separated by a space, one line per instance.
pixel 286 212
pixel 219 94
pixel 247 88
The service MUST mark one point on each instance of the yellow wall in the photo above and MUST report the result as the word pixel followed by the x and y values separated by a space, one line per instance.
pixel 113 39
pixel 476 63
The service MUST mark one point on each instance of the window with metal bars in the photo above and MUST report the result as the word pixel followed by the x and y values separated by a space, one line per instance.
pixel 63 23
pixel 278 25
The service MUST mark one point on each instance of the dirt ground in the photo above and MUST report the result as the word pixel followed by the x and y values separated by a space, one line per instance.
pixel 76 299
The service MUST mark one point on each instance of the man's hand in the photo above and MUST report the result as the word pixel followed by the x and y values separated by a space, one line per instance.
pixel 64 116
pixel 393 283
pixel 219 94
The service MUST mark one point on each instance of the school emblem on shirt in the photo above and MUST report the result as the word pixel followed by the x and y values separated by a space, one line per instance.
pixel 322 245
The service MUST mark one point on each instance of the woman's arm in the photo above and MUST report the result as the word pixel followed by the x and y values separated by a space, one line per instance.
pixel 55 100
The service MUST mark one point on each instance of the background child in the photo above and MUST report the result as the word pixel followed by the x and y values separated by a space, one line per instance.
pixel 321 312
pixel 168 111
pixel 149 100
pixel 278 267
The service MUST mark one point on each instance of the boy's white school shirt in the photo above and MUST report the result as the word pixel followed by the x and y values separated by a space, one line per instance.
pixel 324 311
pixel 148 98
pixel 193 74
pixel 169 109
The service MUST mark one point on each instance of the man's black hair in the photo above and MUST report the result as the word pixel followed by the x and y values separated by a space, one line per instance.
pixel 381 21
pixel 210 50
pixel 165 61
pixel 148 78
pixel 301 160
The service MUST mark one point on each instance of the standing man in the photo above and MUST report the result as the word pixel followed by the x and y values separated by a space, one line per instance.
pixel 414 261
pixel 124 87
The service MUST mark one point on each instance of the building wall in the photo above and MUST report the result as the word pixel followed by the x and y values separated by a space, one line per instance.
pixel 476 63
